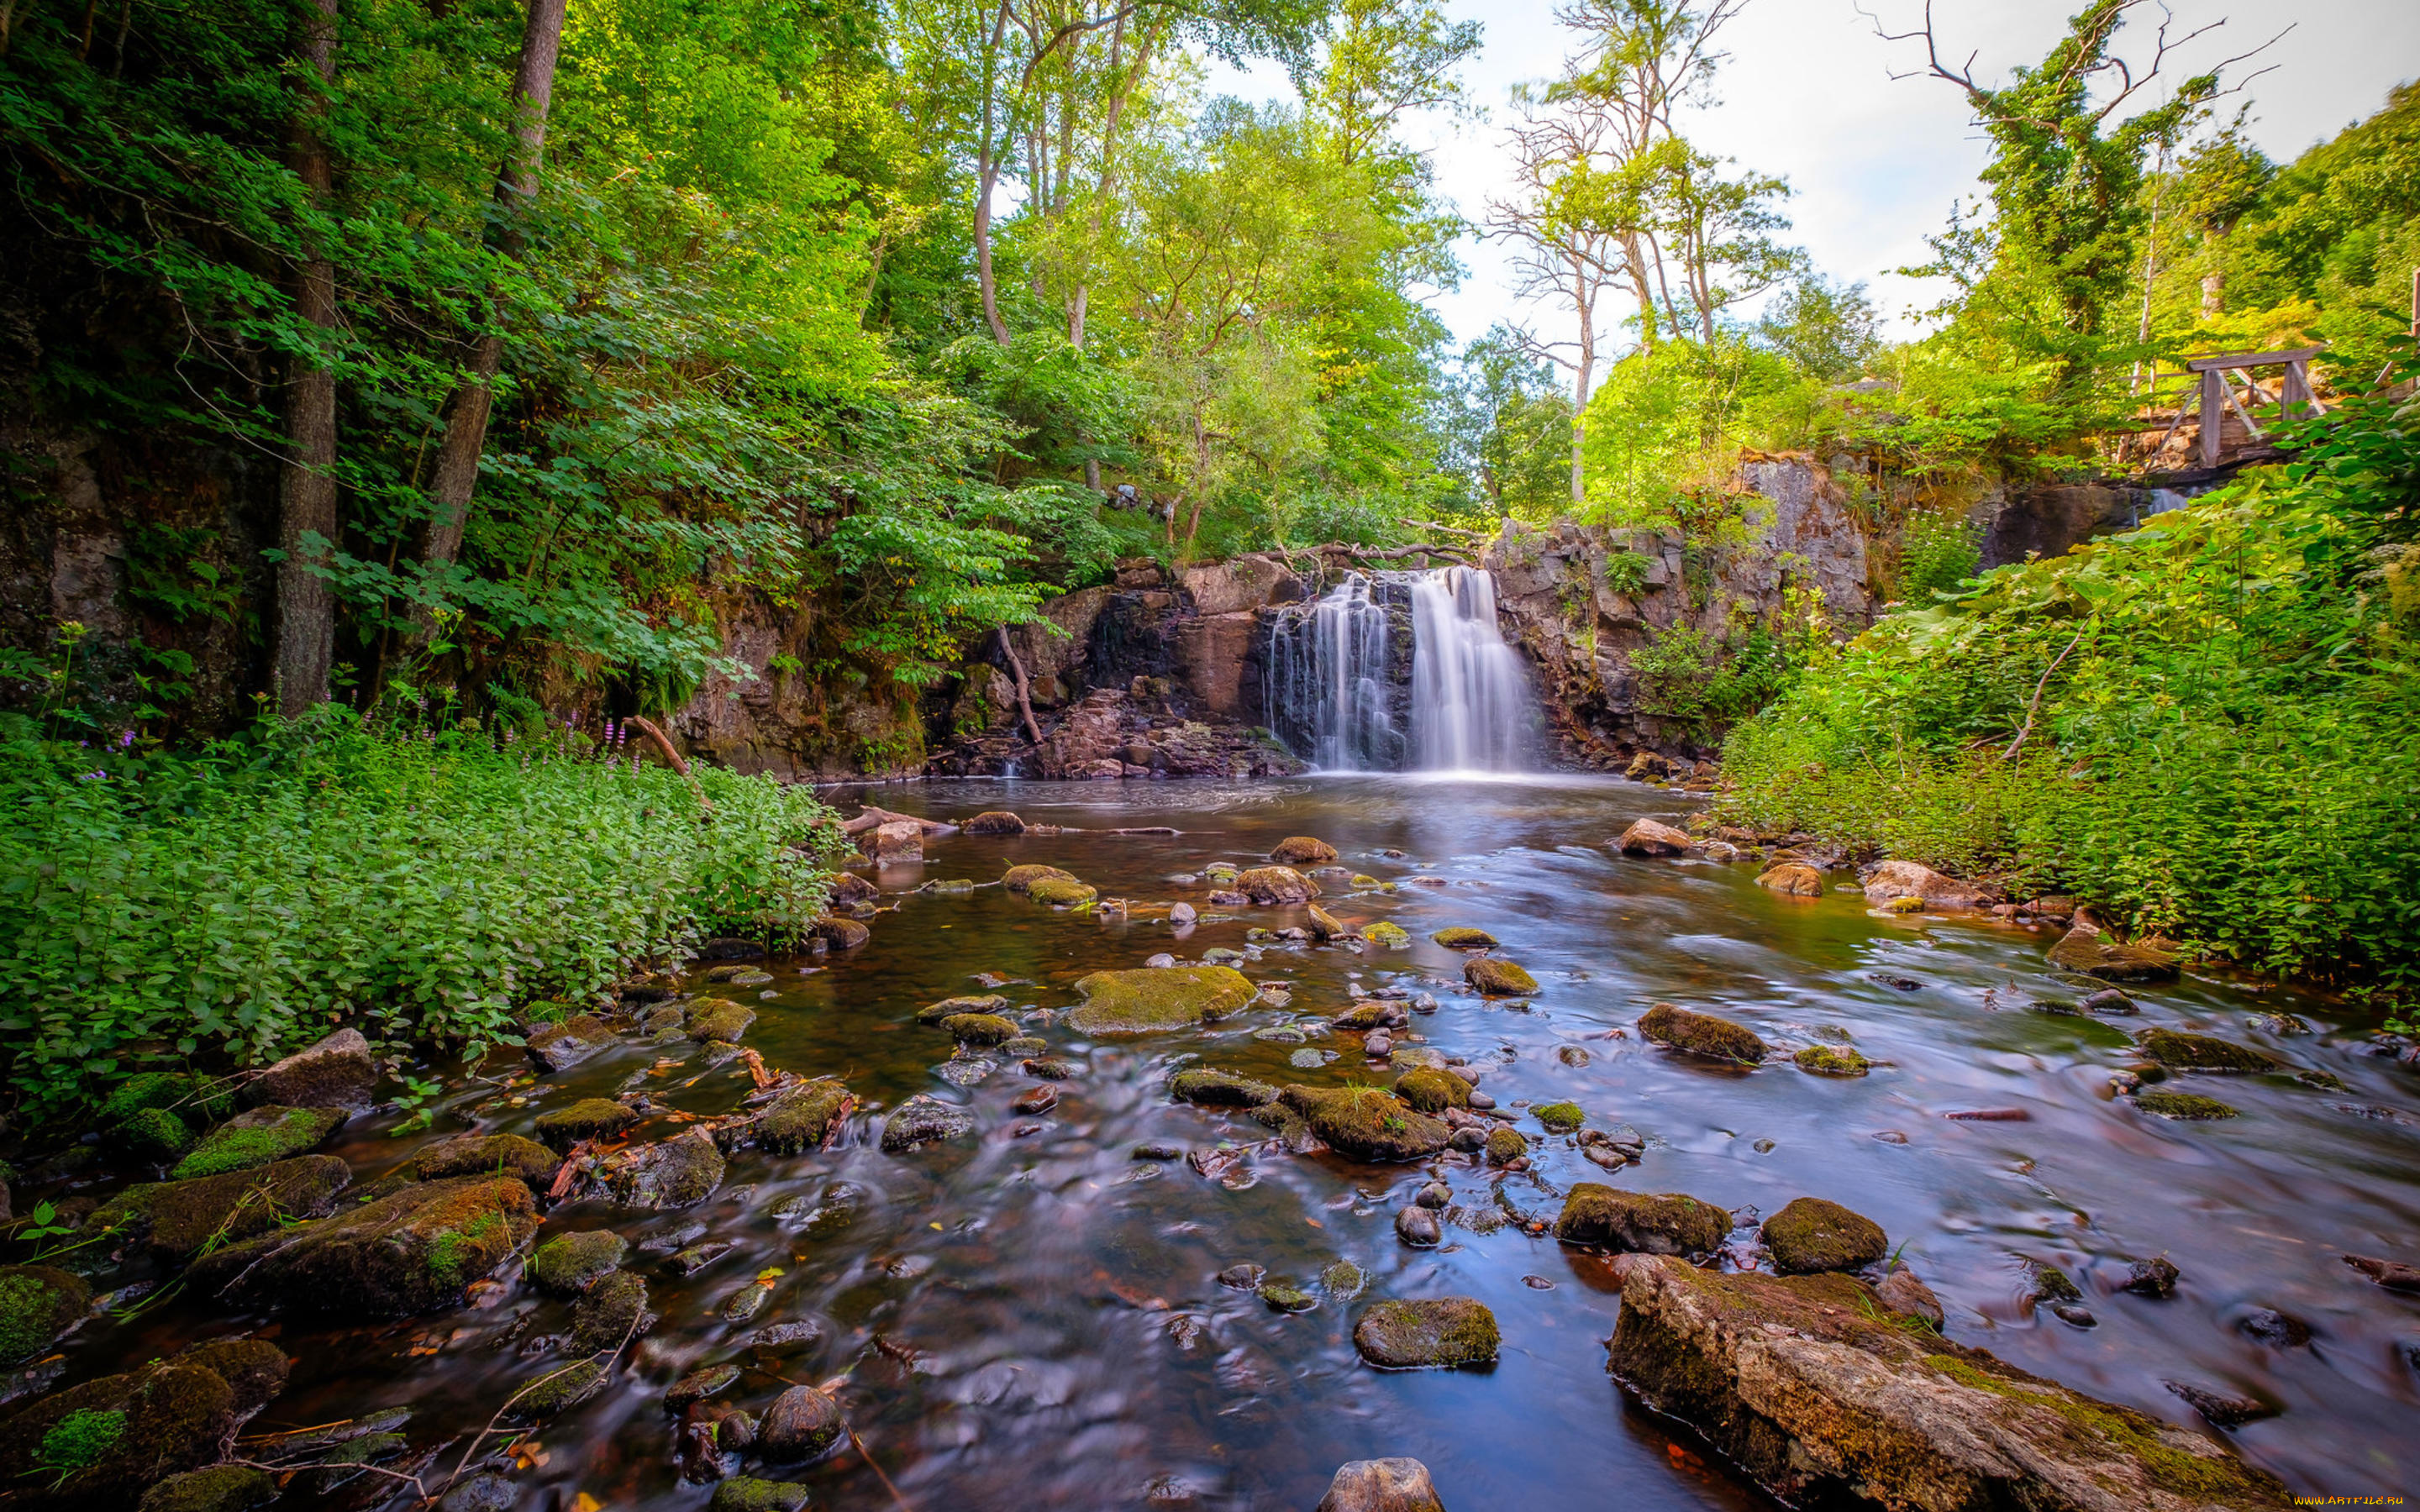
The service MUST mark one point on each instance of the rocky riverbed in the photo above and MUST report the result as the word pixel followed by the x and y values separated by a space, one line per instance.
pixel 1200 1140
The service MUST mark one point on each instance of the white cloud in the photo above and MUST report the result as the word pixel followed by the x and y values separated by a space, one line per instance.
pixel 1875 163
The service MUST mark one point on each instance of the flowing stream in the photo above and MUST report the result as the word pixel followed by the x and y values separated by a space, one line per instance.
pixel 1028 1318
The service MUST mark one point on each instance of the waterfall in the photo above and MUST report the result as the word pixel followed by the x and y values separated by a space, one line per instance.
pixel 1471 706
pixel 1330 691
pixel 1401 670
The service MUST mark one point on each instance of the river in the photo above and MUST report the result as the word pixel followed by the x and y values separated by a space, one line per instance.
pixel 1030 1320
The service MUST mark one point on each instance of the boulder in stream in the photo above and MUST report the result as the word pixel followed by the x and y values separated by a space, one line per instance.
pixel 1494 976
pixel 1702 1035
pixel 1302 850
pixel 2087 950
pixel 1368 1123
pixel 1890 881
pixel 980 1028
pixel 1793 879
pixel 714 1019
pixel 679 1172
pixel 569 1264
pixel 1456 938
pixel 1148 998
pixel 1432 1090
pixel 104 1442
pixel 1810 1386
pixel 1211 1088
pixel 591 1117
pixel 264 1134
pixel 613 1310
pixel 407 1253
pixel 803 1424
pixel 1438 1333
pixel 562 1045
pixel 177 1219
pixel 993 821
pixel 2201 1051
pixel 799 1118
pixel 924 1119
pixel 745 1494
pixel 477 1154
pixel 38 1305
pixel 1649 838
pixel 1276 884
pixel 1381 1485
pixel 1020 878
pixel 950 1006
pixel 1641 1223
pixel 1811 1235
pixel 336 1072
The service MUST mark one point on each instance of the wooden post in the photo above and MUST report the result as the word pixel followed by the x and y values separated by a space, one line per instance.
pixel 2214 414
pixel 2297 393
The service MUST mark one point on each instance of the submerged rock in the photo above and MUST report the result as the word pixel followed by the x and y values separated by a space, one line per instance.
pixel 1150 998
pixel 1381 1485
pixel 801 1117
pixel 1558 1118
pixel 1368 1123
pixel 2199 1052
pixel 404 1254
pixel 979 1029
pixel 1827 1060
pixel 563 1045
pixel 612 1311
pixel 1505 1146
pixel 679 1172
pixel 1670 1223
pixel 265 1134
pixel 1702 1034
pixel 1648 838
pixel 484 1154
pixel 1301 850
pixel 1806 1383
pixel 1061 892
pixel 176 1219
pixel 593 1117
pixel 1903 1291
pixel 1497 977
pixel 923 1120
pixel 1386 936
pixel 1811 1234
pixel 2190 1107
pixel 1461 938
pixel 1220 1088
pixel 336 1072
pixel 218 1488
pixel 1442 1332
pixel 745 1494
pixel 952 1006
pixel 1276 884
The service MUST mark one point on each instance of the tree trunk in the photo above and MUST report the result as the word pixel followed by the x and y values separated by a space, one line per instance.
pixel 457 476
pixel 986 177
pixel 1582 374
pixel 306 502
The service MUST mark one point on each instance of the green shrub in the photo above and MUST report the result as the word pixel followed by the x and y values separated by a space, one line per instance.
pixel 1936 553
pixel 423 887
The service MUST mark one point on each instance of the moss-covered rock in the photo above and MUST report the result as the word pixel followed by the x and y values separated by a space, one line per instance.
pixel 952 1006
pixel 566 1043
pixel 2094 954
pixel 719 1021
pixel 561 1389
pixel 153 1134
pixel 488 1154
pixel 38 1303
pixel 1641 1223
pixel 1810 1235
pixel 1063 894
pixel 180 1219
pixel 745 1494
pixel 1702 1035
pixel 1814 1387
pixel 404 1254
pixel 256 1138
pixel 1436 1333
pixel 2201 1051
pixel 569 1264
pixel 195 1099
pixel 802 1118
pixel 1364 1016
pixel 993 821
pixel 1150 999
pixel 1219 1088
pixel 1302 850
pixel 1494 976
pixel 2188 1105
pixel 1431 1091
pixel 593 1117
pixel 679 1172
pixel 803 1424
pixel 1831 1061
pixel 1386 936
pixel 613 1310
pixel 1020 878
pixel 1560 1118
pixel 105 1443
pixel 924 1119
pixel 980 1028
pixel 1276 884
pixel 1505 1146
pixel 217 1489
pixel 1463 937
pixel 1368 1123
pixel 1793 879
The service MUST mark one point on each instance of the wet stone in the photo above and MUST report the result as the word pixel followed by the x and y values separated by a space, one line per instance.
pixel 699 1384
pixel 922 1120
pixel 1439 1332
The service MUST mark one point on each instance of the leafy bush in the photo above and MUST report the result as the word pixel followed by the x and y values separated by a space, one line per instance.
pixel 243 901
pixel 2210 727
pixel 1936 553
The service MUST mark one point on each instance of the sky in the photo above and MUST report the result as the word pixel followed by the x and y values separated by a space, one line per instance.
pixel 1876 163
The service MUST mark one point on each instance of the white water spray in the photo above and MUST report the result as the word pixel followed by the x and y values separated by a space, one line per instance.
pixel 1471 705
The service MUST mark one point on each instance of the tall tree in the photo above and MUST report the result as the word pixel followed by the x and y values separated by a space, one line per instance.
pixel 306 525
pixel 1383 58
pixel 456 476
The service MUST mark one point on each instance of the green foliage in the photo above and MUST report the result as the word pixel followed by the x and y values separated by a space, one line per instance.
pixel 1937 552
pixel 2210 727
pixel 420 885
pixel 81 1438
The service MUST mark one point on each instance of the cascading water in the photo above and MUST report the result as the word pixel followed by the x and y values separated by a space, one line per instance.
pixel 1330 683
pixel 1471 705
pixel 1402 670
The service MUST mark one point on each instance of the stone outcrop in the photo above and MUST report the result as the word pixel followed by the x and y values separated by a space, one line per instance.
pixel 1811 1386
